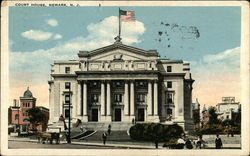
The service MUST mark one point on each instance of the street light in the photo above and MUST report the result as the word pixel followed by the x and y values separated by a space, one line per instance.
pixel 69 135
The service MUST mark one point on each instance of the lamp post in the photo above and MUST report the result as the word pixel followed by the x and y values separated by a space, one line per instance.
pixel 69 140
pixel 69 135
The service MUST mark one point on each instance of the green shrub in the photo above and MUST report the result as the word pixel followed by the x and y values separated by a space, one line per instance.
pixel 149 131
pixel 216 129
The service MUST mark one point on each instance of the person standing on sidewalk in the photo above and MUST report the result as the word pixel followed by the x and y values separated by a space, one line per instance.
pixel 104 137
pixel 218 142
pixel 156 141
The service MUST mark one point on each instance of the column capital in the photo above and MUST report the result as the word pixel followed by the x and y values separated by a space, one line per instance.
pixel 79 81
pixel 132 80
pixel 84 81
pixel 156 81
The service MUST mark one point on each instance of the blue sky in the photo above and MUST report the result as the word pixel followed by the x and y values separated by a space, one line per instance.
pixel 39 35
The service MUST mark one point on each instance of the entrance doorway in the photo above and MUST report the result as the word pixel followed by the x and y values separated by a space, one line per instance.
pixel 141 114
pixel 118 115
pixel 95 114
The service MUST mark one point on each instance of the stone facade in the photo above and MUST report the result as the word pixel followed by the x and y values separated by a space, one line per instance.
pixel 120 83
pixel 226 108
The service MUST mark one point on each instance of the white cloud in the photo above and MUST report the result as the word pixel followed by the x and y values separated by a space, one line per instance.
pixel 52 22
pixel 108 29
pixel 37 35
pixel 100 34
pixel 229 54
pixel 57 36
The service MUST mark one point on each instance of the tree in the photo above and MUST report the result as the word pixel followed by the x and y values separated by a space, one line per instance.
pixel 35 117
pixel 196 118
pixel 213 116
pixel 236 117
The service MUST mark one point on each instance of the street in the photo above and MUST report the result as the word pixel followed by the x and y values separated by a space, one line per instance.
pixel 32 145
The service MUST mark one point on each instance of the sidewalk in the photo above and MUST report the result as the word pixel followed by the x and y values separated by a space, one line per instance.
pixel 132 145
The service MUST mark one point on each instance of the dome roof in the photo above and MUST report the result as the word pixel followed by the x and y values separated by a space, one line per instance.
pixel 27 93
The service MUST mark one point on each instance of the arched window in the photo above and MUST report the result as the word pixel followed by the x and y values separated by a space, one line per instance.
pixel 16 117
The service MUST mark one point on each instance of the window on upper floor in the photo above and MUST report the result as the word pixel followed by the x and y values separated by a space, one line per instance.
pixel 67 85
pixel 169 68
pixel 118 84
pixel 67 70
pixel 118 97
pixel 169 97
pixel 141 97
pixel 67 98
pixel 169 84
pixel 141 84
pixel 16 117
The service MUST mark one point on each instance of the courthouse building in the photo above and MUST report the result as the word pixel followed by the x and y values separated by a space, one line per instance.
pixel 120 83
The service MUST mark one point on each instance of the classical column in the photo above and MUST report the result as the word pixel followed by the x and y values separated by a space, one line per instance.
pixel 155 98
pixel 102 98
pixel 108 98
pixel 149 99
pixel 126 108
pixel 85 106
pixel 79 101
pixel 132 100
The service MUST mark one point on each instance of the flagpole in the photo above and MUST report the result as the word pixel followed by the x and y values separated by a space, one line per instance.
pixel 119 23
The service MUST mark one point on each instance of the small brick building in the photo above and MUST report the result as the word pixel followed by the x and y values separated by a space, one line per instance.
pixel 18 115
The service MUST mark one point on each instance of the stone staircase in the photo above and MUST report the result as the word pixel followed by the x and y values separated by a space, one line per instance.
pixel 115 126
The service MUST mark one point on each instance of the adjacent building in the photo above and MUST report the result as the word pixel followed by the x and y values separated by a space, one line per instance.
pixel 196 114
pixel 18 115
pixel 227 107
pixel 121 83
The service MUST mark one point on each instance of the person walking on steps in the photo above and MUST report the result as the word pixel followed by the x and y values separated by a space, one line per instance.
pixel 104 138
pixel 109 129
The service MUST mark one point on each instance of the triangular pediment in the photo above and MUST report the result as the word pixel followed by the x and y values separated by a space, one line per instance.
pixel 119 51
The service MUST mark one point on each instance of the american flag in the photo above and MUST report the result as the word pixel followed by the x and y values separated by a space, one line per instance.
pixel 128 16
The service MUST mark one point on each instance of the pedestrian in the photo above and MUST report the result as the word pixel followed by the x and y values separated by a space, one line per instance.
pixel 199 142
pixel 104 138
pixel 133 121
pixel 180 143
pixel 188 144
pixel 218 142
pixel 156 141
pixel 109 129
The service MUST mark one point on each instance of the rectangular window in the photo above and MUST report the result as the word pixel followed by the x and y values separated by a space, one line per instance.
pixel 67 98
pixel 94 98
pixel 169 97
pixel 169 111
pixel 66 113
pixel 67 70
pixel 118 97
pixel 169 68
pixel 67 85
pixel 141 97
pixel 169 84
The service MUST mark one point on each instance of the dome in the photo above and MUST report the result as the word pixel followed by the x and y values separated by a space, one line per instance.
pixel 27 93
